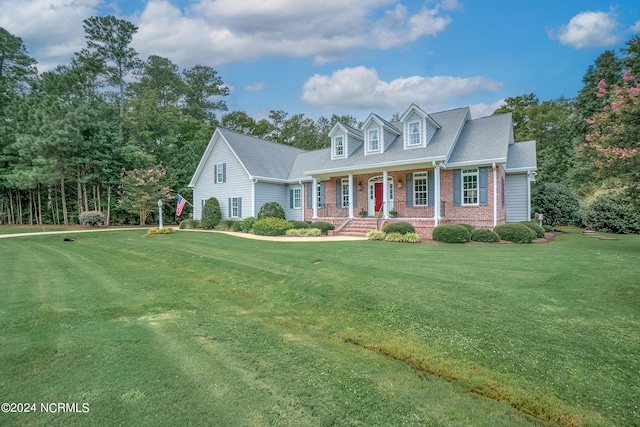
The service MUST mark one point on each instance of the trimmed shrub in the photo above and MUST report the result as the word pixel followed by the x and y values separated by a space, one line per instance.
pixel 399 227
pixel 547 228
pixel 394 237
pixel 92 218
pixel 612 211
pixel 451 233
pixel 484 235
pixel 411 238
pixel 211 213
pixel 189 223
pixel 468 227
pixel 559 204
pixel 515 232
pixel 271 210
pixel 376 235
pixel 271 226
pixel 300 224
pixel 158 231
pixel 536 228
pixel 304 232
pixel 324 226
pixel 247 224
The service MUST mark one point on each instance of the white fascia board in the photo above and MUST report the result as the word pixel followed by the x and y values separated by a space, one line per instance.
pixel 375 166
pixel 482 162
pixel 518 170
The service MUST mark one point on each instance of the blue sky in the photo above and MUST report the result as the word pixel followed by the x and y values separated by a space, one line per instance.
pixel 352 57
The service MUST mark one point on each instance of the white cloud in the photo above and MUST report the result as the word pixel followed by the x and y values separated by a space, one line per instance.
pixel 256 87
pixel 54 27
pixel 238 30
pixel 484 110
pixel 635 28
pixel 361 88
pixel 589 29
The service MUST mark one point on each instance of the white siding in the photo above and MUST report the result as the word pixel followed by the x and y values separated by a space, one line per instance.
pixel 294 214
pixel 237 182
pixel 516 195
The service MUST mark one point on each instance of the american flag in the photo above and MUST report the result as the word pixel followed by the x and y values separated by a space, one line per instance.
pixel 180 205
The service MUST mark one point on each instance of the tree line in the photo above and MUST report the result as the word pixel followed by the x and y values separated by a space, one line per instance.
pixel 70 137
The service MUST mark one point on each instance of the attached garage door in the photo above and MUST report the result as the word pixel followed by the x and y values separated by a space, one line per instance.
pixel 517 193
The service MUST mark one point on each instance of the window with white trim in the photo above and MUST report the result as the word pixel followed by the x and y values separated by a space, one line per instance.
pixel 420 189
pixel 374 142
pixel 338 146
pixel 220 173
pixel 297 198
pixel 470 186
pixel 234 207
pixel 414 133
pixel 345 193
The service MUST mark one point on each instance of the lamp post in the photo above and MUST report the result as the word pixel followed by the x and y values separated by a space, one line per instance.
pixel 160 212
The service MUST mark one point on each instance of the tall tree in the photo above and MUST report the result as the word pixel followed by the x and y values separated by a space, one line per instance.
pixel 204 90
pixel 108 42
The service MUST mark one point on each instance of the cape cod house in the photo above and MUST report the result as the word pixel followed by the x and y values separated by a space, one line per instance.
pixel 426 169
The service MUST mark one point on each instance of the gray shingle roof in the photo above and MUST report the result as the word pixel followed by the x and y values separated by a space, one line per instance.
pixel 483 140
pixel 522 157
pixel 262 158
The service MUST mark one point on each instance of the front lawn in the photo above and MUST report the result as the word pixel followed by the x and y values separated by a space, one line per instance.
pixel 209 329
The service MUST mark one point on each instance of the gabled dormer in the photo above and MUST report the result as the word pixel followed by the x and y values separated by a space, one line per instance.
pixel 378 134
pixel 344 141
pixel 418 127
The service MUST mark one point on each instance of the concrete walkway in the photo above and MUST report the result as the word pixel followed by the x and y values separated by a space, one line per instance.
pixel 230 233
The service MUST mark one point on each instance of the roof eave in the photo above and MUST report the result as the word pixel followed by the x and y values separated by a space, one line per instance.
pixel 375 166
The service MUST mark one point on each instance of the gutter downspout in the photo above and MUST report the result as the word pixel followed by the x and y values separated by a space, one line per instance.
pixel 314 198
pixel 495 194
pixel 253 196
pixel 436 196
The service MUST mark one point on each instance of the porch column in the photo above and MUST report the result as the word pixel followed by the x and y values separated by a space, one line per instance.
pixel 495 195
pixel 385 194
pixel 314 198
pixel 351 195
pixel 436 196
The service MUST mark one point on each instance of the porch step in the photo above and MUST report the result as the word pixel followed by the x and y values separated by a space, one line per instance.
pixel 358 227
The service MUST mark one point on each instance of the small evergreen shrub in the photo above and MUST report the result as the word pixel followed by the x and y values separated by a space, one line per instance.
pixel 536 228
pixel 189 223
pixel 211 213
pixel 300 224
pixel 547 228
pixel 226 225
pixel 313 232
pixel 400 227
pixel 484 235
pixel 246 224
pixel 304 232
pixel 92 218
pixel 271 226
pixel 515 232
pixel 158 231
pixel 468 227
pixel 451 233
pixel 376 235
pixel 394 237
pixel 271 210
pixel 324 226
pixel 612 211
pixel 411 238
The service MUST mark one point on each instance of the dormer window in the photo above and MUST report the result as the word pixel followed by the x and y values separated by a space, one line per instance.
pixel 414 134
pixel 338 146
pixel 374 142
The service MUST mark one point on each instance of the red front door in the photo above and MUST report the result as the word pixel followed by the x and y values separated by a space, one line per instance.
pixel 377 193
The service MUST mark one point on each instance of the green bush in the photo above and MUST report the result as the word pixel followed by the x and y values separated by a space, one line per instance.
pixel 399 227
pixel 559 204
pixel 547 228
pixel 211 213
pixel 304 232
pixel 271 210
pixel 324 226
pixel 451 233
pixel 394 237
pixel 484 235
pixel 613 211
pixel 91 218
pixel 247 224
pixel 468 227
pixel 229 225
pixel 515 232
pixel 271 226
pixel 157 231
pixel 411 238
pixel 536 228
pixel 300 224
pixel 189 223
pixel 376 235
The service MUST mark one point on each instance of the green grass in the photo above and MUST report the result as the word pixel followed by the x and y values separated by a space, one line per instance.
pixel 208 329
